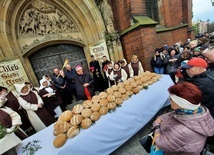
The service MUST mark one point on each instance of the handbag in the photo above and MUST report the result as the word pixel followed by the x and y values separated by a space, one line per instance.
pixel 146 141
pixel 154 150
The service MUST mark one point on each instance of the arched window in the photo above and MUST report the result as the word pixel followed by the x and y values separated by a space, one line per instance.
pixel 152 9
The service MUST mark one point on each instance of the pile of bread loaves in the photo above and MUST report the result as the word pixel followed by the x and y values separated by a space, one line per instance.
pixel 83 115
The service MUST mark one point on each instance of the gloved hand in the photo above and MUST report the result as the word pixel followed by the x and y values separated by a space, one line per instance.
pixel 9 130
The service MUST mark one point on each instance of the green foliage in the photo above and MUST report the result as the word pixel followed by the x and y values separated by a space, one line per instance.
pixel 31 147
pixel 3 131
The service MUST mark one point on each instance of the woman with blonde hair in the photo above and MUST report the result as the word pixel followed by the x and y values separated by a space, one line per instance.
pixel 185 130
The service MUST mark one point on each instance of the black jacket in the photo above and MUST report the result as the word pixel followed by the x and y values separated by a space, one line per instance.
pixel 205 82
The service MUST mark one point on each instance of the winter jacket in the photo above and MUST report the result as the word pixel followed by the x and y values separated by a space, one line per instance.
pixel 184 134
pixel 157 61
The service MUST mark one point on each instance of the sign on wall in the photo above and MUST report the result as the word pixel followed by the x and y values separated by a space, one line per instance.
pixel 99 50
pixel 12 72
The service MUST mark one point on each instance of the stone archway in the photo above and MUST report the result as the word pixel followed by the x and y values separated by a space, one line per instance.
pixel 46 59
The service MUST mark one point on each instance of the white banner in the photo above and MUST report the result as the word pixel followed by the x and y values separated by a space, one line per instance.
pixel 12 72
pixel 99 50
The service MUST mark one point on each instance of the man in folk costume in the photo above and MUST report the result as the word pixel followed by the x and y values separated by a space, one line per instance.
pixel 118 74
pixel 126 67
pixel 136 66
pixel 10 120
pixel 108 73
pixel 10 100
pixel 98 77
pixel 84 84
pixel 33 104
pixel 52 99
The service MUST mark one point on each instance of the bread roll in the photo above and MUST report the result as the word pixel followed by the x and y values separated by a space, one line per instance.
pixel 95 107
pixel 86 113
pixel 115 87
pixel 126 83
pixel 117 94
pixel 131 80
pixel 61 127
pixel 103 110
pixel 143 80
pixel 121 85
pixel 136 78
pixel 135 90
pixel 149 82
pixel 110 91
pixel 145 85
pixel 73 131
pixel 128 87
pixel 103 95
pixel 129 93
pixel 95 99
pixel 76 120
pixel 66 115
pixel 134 84
pixel 86 123
pixel 59 140
pixel 103 102
pixel 124 97
pixel 118 101
pixel 111 98
pixel 87 104
pixel 111 105
pixel 139 82
pixel 122 90
pixel 140 87
pixel 95 116
pixel 78 109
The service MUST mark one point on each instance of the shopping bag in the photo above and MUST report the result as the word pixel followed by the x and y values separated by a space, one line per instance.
pixel 154 150
pixel 146 141
pixel 87 93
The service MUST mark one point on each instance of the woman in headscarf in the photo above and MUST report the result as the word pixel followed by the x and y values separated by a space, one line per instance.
pixel 185 130
pixel 10 120
pixel 126 67
pixel 51 98
pixel 136 66
pixel 39 117
pixel 118 74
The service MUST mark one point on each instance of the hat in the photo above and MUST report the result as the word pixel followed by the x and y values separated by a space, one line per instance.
pixel 196 62
pixel 78 67
pixel 197 49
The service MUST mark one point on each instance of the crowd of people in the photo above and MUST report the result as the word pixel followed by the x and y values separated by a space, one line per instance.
pixel 35 108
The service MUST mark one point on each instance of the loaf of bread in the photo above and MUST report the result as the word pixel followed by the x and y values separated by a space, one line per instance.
pixel 110 91
pixel 131 80
pixel 118 101
pixel 136 78
pixel 128 87
pixel 103 110
pixel 95 116
pixel 139 82
pixel 96 99
pixel 117 94
pixel 59 140
pixel 76 120
pixel 115 87
pixel 66 115
pixel 61 127
pixel 134 84
pixel 121 85
pixel 86 123
pixel 73 131
pixel 129 93
pixel 124 97
pixel 87 104
pixel 95 107
pixel 103 102
pixel 135 90
pixel 111 105
pixel 127 82
pixel 111 98
pixel 140 87
pixel 103 95
pixel 77 109
pixel 122 90
pixel 86 113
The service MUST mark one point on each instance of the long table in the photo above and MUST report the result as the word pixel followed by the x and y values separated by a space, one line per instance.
pixel 111 130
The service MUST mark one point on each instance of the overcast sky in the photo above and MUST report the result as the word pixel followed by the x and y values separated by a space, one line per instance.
pixel 203 10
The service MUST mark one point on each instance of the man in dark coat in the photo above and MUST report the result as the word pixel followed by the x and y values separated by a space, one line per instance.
pixel 61 85
pixel 83 80
pixel 104 69
pixel 69 77
pixel 99 84
pixel 204 79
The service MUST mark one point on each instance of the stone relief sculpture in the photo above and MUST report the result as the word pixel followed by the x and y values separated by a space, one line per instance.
pixel 42 18
pixel 108 16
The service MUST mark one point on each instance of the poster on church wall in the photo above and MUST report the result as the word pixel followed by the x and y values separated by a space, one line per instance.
pixel 99 50
pixel 12 72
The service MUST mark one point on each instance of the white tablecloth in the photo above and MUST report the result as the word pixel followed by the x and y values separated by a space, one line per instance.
pixel 111 130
